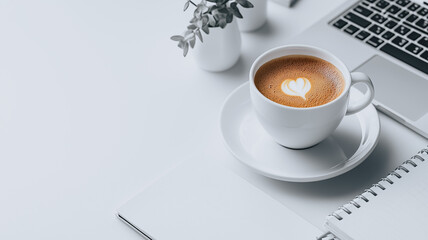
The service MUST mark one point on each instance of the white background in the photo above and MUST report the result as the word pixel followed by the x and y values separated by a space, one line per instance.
pixel 96 102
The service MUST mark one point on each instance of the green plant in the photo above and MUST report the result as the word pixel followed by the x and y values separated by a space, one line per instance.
pixel 216 13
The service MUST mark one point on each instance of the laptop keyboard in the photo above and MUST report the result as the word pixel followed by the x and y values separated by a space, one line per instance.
pixel 396 27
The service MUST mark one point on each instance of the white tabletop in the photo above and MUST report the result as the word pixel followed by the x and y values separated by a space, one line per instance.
pixel 96 102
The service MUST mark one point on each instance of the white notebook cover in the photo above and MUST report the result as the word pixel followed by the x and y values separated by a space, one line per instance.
pixel 397 212
pixel 198 200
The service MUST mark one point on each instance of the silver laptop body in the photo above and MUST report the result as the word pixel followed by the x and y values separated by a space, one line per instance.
pixel 388 40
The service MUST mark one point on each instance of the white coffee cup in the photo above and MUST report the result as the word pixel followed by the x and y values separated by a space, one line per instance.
pixel 299 128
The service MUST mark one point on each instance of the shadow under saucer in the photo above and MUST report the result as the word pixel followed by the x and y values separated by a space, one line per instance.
pixel 347 147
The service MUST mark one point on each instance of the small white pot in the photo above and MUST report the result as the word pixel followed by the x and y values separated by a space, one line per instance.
pixel 253 18
pixel 220 50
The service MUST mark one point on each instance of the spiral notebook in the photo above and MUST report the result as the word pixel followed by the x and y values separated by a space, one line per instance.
pixel 395 208
pixel 197 200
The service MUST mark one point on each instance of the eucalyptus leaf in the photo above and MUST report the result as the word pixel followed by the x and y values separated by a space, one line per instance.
pixel 223 10
pixel 223 16
pixel 203 8
pixel 192 41
pixel 186 5
pixel 211 20
pixel 177 38
pixel 191 27
pixel 229 18
pixel 205 20
pixel 215 12
pixel 218 15
pixel 222 23
pixel 180 44
pixel 198 12
pixel 206 29
pixel 193 20
pixel 212 8
pixel 185 49
pixel 220 6
pixel 245 3
pixel 199 23
pixel 189 36
pixel 235 11
pixel 199 35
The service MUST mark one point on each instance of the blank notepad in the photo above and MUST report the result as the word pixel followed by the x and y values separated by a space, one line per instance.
pixel 199 200
pixel 396 208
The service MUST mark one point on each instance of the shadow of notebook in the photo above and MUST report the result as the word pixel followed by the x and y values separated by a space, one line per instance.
pixel 199 200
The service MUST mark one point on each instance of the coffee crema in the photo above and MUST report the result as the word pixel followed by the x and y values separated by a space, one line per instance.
pixel 299 81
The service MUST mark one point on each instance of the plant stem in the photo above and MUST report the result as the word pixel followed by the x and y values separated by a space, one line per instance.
pixel 192 3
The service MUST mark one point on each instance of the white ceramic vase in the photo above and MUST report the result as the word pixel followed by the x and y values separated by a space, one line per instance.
pixel 253 18
pixel 220 50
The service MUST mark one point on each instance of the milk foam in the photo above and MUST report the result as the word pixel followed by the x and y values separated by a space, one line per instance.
pixel 282 80
pixel 298 87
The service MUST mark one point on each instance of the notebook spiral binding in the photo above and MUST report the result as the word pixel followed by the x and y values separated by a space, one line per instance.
pixel 382 185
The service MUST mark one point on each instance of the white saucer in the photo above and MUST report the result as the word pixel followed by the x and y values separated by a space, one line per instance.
pixel 349 145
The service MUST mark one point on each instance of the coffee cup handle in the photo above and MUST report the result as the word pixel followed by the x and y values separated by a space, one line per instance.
pixel 366 99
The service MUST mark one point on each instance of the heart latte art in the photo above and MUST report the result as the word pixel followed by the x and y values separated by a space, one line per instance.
pixel 298 87
pixel 299 81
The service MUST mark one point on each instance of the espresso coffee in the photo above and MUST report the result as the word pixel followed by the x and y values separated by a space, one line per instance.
pixel 299 81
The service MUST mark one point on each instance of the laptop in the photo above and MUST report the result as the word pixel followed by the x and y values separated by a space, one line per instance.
pixel 387 40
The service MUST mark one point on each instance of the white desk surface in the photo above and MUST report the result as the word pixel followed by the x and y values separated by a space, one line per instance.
pixel 96 101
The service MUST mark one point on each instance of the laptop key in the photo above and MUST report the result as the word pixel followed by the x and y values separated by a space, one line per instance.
pixel 362 35
pixel 388 35
pixel 363 11
pixel 423 11
pixel 393 9
pixel 403 14
pixel 379 18
pixel 351 29
pixel 424 55
pixel 413 48
pixel 376 29
pixel 413 36
pixel 382 4
pixel 357 20
pixel 423 23
pixel 390 24
pixel 414 6
pixel 403 3
pixel 371 1
pixel 402 30
pixel 340 23
pixel 423 41
pixel 412 18
pixel 375 41
pixel 405 57
pixel 399 41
